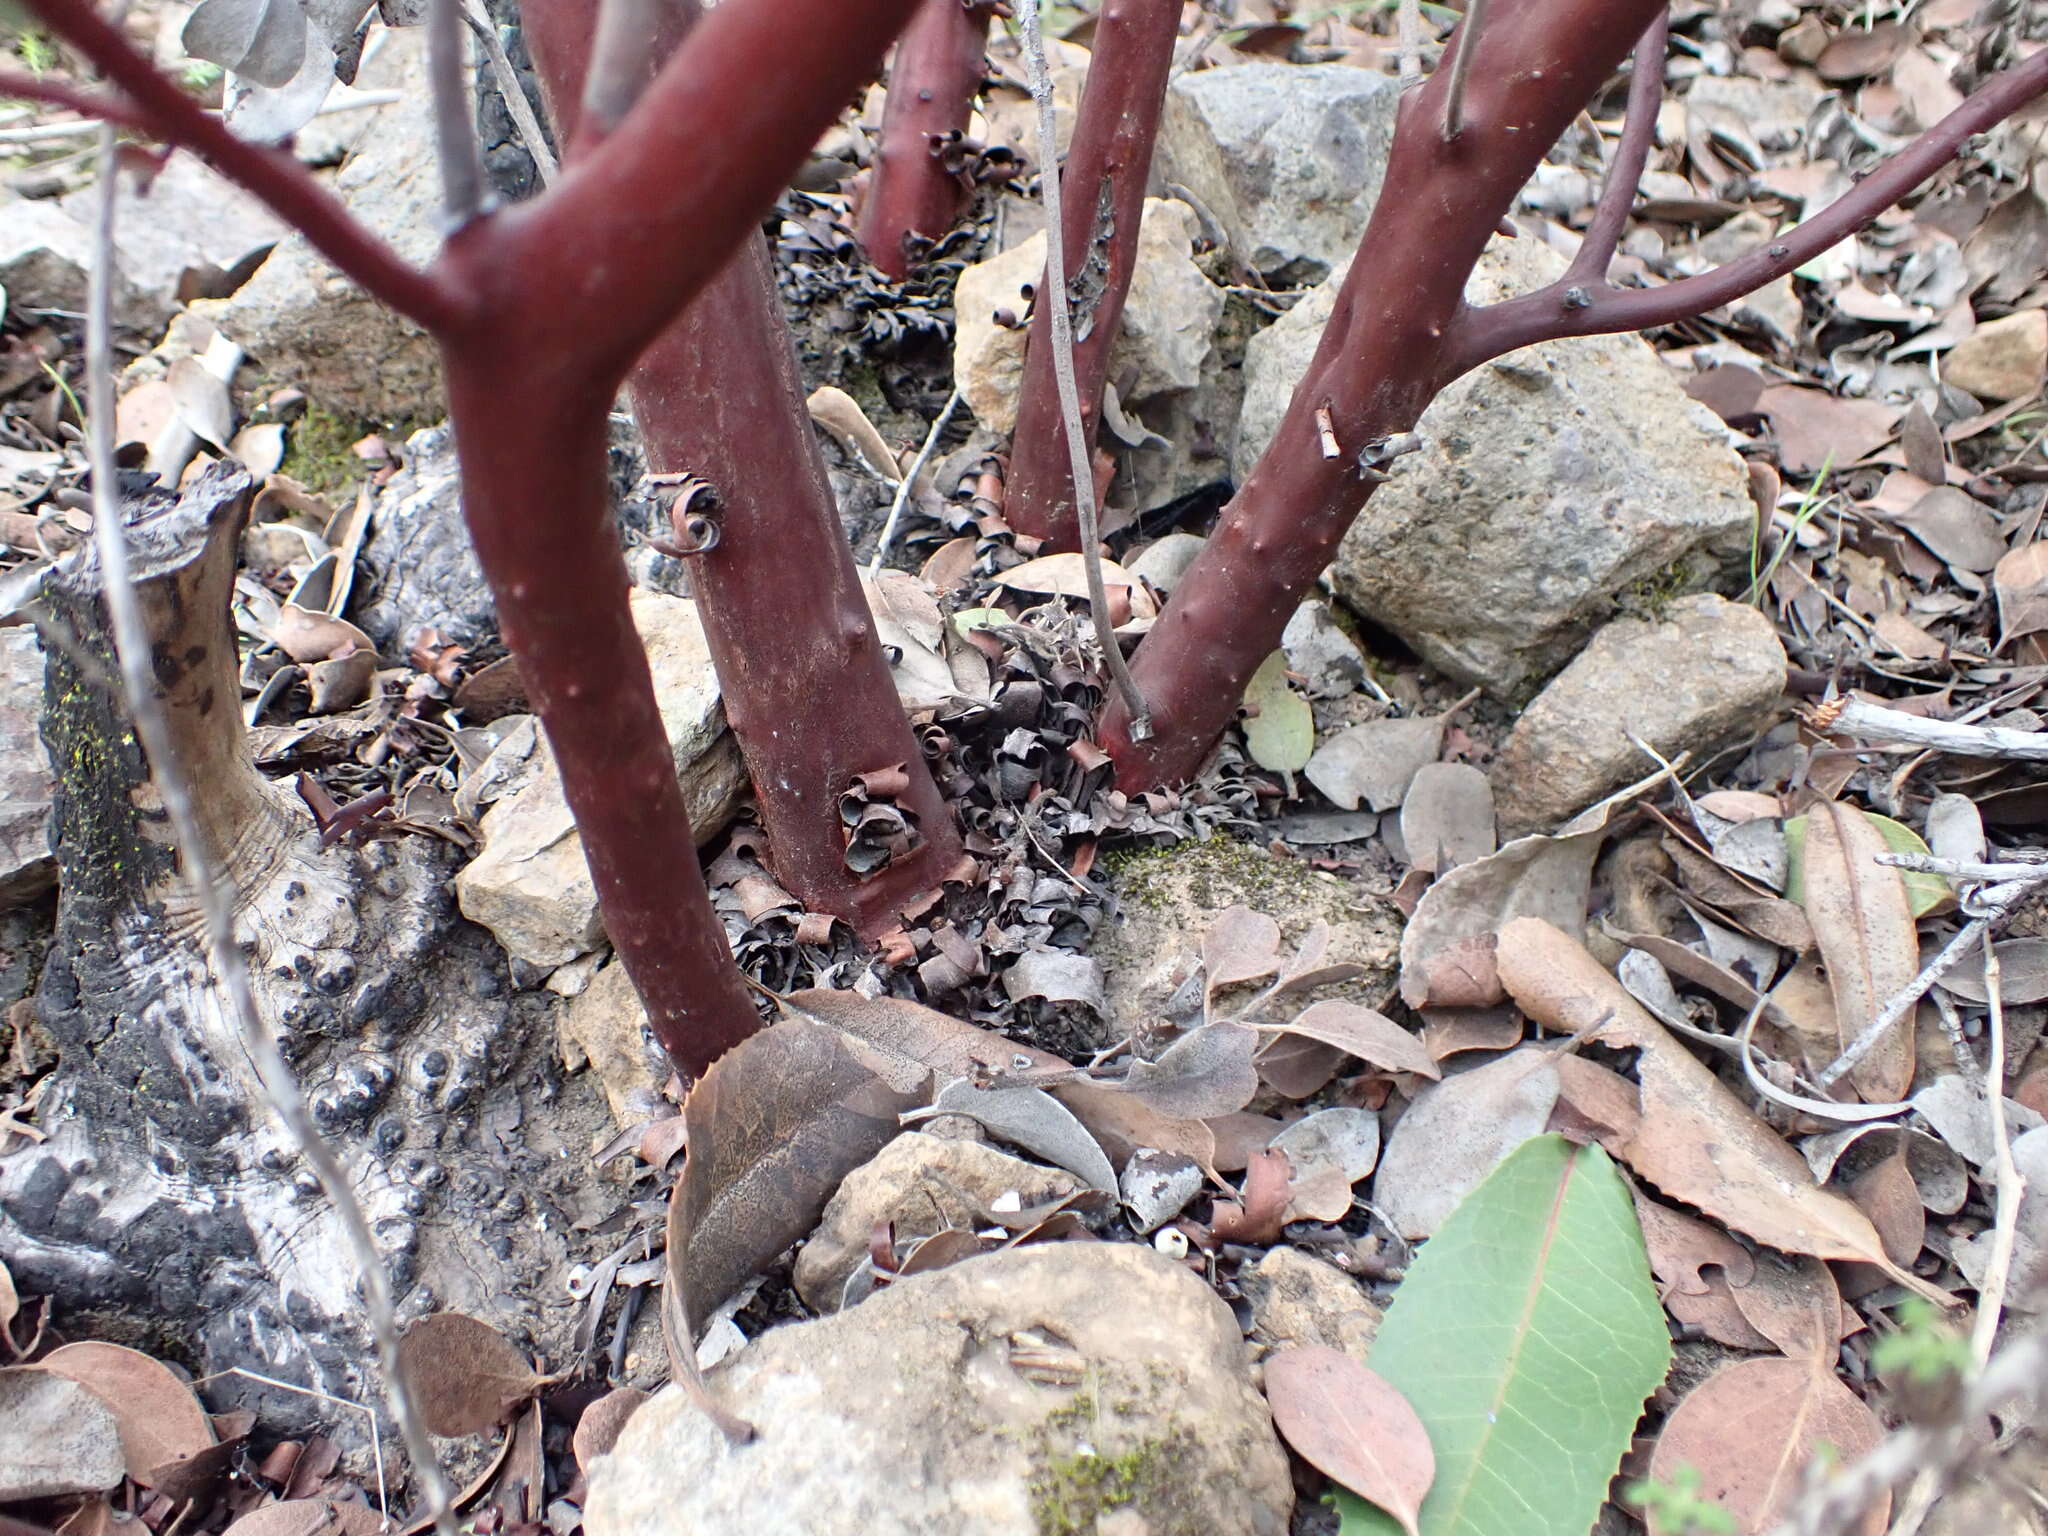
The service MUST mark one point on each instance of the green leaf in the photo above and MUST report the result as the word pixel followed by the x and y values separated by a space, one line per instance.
pixel 1526 1335
pixel 1924 892
pixel 1279 731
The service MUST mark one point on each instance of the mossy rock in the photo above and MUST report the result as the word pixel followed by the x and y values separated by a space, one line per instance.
pixel 1167 897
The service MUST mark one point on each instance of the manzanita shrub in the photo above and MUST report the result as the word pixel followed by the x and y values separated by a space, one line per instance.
pixel 642 266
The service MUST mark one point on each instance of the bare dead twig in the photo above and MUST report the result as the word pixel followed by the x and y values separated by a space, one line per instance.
pixel 1995 904
pixel 1851 716
pixel 1408 32
pixel 530 132
pixel 2009 1184
pixel 1631 154
pixel 455 146
pixel 1469 28
pixel 902 497
pixel 1061 316
pixel 155 105
pixel 2016 1379
pixel 619 58
pixel 1570 309
pixel 210 891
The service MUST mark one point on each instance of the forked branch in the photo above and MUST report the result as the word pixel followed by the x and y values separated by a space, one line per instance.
pixel 157 106
pixel 1573 307
pixel 1631 154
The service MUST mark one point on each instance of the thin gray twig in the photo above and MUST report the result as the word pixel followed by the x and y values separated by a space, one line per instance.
pixel 462 166
pixel 1469 29
pixel 1062 338
pixel 530 132
pixel 208 884
pixel 902 497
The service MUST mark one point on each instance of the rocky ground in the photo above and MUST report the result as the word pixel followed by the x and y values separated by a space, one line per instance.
pixel 1609 558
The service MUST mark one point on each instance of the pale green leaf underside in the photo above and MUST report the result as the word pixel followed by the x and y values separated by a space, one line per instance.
pixel 1526 1335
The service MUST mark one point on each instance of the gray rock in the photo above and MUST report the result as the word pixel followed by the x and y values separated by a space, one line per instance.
pixel 1010 1395
pixel 1328 659
pixel 1288 158
pixel 1164 563
pixel 56 1438
pixel 1168 327
pixel 924 1184
pixel 309 325
pixel 1547 485
pixel 426 570
pixel 27 868
pixel 1301 1300
pixel 1157 1186
pixel 609 1025
pixel 1707 673
pixel 530 886
pixel 194 234
pixel 1167 897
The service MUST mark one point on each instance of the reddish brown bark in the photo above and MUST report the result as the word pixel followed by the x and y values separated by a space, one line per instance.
pixel 1104 185
pixel 806 687
pixel 1400 331
pixel 540 309
pixel 933 81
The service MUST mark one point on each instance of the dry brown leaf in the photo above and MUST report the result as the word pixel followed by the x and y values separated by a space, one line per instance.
pixel 1124 1122
pixel 1698 1267
pixel 1795 1303
pixel 1365 1033
pixel 1457 1132
pixel 1257 1216
pixel 1698 1143
pixel 1447 817
pixel 1863 923
pixel 307 636
pixel 2021 581
pixel 1029 1118
pixel 775 1124
pixel 840 414
pixel 597 1431
pixel 1816 428
pixel 1066 575
pixel 1447 958
pixel 1206 1072
pixel 1238 1138
pixel 1957 527
pixel 466 1376
pixel 1448 1031
pixel 159 1418
pixel 1330 1150
pixel 309 1517
pixel 1375 762
pixel 1888 1195
pixel 2023 974
pixel 1752 1429
pixel 949 1047
pixel 1594 1104
pixel 1294 1066
pixel 1240 946
pixel 1353 1427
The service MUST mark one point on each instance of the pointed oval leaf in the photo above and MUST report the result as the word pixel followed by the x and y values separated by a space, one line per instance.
pixel 466 1375
pixel 1349 1424
pixel 1752 1430
pixel 1527 1334
pixel 160 1419
pixel 1279 728
pixel 1365 1033
pixel 1241 945
pixel 1863 923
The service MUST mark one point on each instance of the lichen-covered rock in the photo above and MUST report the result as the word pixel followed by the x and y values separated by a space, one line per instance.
pixel 1707 673
pixel 1289 159
pixel 1019 1394
pixel 1297 1299
pixel 309 325
pixel 923 1184
pixel 27 868
pixel 1167 334
pixel 531 886
pixel 1167 897
pixel 1548 484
